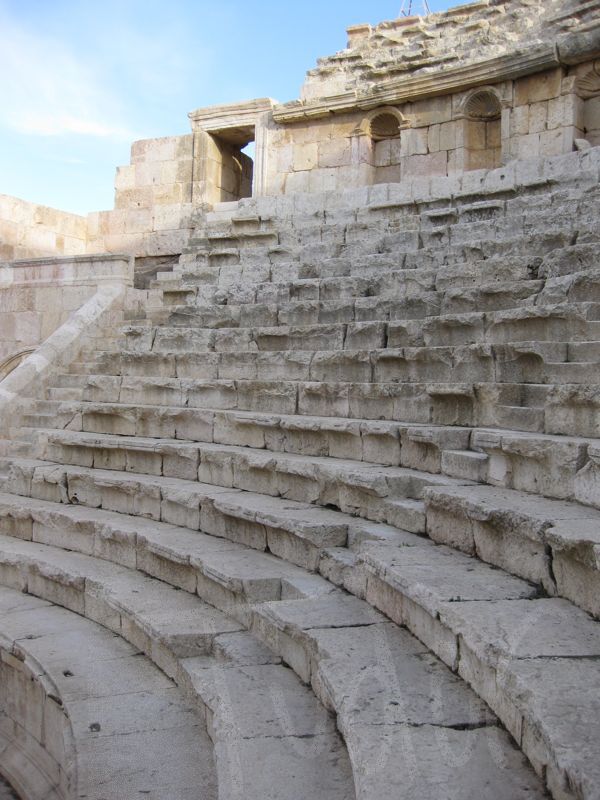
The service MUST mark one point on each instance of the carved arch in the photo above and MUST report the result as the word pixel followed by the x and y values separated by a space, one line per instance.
pixel 13 361
pixel 588 85
pixel 483 104
pixel 385 122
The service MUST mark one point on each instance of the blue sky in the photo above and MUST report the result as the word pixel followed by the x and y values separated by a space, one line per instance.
pixel 81 79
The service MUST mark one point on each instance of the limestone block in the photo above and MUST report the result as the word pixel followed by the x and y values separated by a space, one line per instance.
pixel 563 140
pixel 334 153
pixel 591 114
pixel 434 138
pixel 519 120
pixel 537 88
pixel 414 142
pixel 433 111
pixel 538 117
pixel 323 180
pixel 422 166
pixel 148 173
pixel 528 146
pixel 450 135
pixel 125 178
pixel 141 196
pixel 174 193
pixel 587 481
pixel 165 217
pixel 566 111
pixel 305 156
pixel 297 182
pixel 392 174
pixel 39 240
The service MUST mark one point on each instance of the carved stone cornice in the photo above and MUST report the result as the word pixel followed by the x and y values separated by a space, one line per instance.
pixel 420 87
pixel 232 115
pixel 570 49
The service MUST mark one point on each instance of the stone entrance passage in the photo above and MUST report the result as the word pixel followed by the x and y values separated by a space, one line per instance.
pixel 229 170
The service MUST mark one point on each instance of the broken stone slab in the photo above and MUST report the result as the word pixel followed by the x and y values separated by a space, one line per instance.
pixel 394 702
pixel 550 542
pixel 485 631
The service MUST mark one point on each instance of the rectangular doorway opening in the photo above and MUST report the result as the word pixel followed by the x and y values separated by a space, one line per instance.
pixel 231 165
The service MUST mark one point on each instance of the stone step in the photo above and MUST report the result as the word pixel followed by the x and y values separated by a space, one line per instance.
pixel 372 491
pixel 534 660
pixel 182 635
pixel 554 543
pixel 570 410
pixel 440 269
pixel 517 363
pixel 396 284
pixel 227 575
pixel 383 301
pixel 360 666
pixel 549 542
pixel 248 688
pixel 86 715
pixel 510 258
pixel 295 531
pixel 553 466
pixel 559 323
pixel 299 236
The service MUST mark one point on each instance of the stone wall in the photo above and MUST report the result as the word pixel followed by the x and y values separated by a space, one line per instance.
pixel 28 230
pixel 38 296
pixel 153 196
pixel 482 128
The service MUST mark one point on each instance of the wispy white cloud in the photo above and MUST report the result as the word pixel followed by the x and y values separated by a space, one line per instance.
pixel 48 91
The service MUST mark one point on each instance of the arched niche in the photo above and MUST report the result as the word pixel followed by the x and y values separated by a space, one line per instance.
pixel 482 114
pixel 383 126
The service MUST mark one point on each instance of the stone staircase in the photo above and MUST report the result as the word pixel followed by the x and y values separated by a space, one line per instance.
pixel 337 480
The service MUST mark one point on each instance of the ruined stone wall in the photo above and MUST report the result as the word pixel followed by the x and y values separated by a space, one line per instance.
pixel 476 87
pixel 28 230
pixel 153 197
pixel 418 47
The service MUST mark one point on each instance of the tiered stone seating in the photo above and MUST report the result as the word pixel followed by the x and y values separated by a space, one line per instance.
pixel 73 720
pixel 360 442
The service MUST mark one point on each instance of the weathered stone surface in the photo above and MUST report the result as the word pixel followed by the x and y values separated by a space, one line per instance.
pixel 356 408
pixel 107 719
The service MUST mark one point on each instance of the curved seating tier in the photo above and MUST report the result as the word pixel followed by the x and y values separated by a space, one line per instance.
pixel 85 715
pixel 355 439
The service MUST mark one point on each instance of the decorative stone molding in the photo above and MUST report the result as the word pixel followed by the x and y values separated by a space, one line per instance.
pixel 588 85
pixel 482 104
pixel 420 87
pixel 570 49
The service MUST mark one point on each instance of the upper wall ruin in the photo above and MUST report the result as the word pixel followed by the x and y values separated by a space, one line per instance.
pixel 475 87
